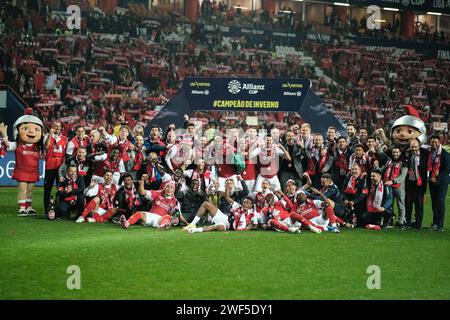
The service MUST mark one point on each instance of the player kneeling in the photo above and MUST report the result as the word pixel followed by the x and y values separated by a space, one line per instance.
pixel 164 205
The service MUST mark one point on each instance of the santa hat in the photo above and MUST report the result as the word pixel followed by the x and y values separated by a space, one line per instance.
pixel 291 181
pixel 170 183
pixel 412 119
pixel 26 118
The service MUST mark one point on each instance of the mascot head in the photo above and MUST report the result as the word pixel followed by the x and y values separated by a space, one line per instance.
pixel 408 128
pixel 28 128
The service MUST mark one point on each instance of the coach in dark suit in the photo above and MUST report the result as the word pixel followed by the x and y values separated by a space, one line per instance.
pixel 415 183
pixel 438 170
pixel 292 169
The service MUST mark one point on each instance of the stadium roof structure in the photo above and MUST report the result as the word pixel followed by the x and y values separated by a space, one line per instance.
pixel 248 94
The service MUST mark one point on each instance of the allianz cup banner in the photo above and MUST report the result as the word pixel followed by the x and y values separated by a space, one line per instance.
pixel 7 167
pixel 242 94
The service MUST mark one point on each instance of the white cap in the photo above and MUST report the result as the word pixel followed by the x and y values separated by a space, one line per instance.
pixel 27 118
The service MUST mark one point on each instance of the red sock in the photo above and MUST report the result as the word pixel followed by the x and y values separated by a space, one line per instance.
pixel 89 207
pixel 22 204
pixel 330 215
pixel 165 220
pixel 278 225
pixel 28 203
pixel 298 217
pixel 135 218
pixel 105 217
pixel 340 221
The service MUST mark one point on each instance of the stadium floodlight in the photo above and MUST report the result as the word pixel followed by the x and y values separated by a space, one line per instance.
pixel 435 13
pixel 341 4
pixel 379 20
pixel 390 9
pixel 239 7
pixel 286 11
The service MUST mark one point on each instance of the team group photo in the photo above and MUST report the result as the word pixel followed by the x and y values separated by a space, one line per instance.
pixel 217 150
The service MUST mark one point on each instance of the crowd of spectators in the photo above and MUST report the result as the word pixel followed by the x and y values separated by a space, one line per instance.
pixel 94 76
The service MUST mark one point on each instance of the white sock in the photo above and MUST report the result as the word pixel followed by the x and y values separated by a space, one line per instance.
pixel 196 220
pixel 195 230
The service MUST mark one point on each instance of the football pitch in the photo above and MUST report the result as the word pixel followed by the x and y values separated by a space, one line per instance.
pixel 143 263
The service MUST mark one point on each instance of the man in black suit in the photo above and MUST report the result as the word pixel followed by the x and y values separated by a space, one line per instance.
pixel 292 169
pixel 438 167
pixel 415 183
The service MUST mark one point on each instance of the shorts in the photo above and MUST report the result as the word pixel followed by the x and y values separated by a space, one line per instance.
pixel 320 221
pixel 259 218
pixel 288 222
pixel 101 211
pixel 152 219
pixel 221 218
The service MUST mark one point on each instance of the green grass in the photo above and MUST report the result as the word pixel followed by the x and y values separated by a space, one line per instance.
pixel 142 263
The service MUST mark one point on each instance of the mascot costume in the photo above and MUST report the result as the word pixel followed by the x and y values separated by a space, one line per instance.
pixel 28 148
pixel 408 128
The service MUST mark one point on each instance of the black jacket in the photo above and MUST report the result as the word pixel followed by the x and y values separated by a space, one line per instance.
pixel 237 196
pixel 190 200
pixel 422 167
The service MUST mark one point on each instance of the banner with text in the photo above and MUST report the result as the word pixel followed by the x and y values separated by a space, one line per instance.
pixel 246 94
pixel 7 167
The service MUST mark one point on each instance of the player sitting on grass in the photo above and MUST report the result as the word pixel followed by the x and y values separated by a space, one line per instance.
pixel 241 217
pixel 102 202
pixel 126 202
pixel 279 218
pixel 260 197
pixel 164 205
pixel 316 215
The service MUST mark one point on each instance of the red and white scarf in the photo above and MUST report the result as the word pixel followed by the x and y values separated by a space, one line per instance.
pixel 73 183
pixel 433 168
pixel 362 162
pixel 375 198
pixel 392 172
pixel 316 155
pixel 342 160
pixel 416 173
pixel 130 196
pixel 138 159
pixel 351 185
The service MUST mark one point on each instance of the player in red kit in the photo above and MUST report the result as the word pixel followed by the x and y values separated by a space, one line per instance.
pixel 278 217
pixel 164 205
pixel 243 215
pixel 316 215
pixel 80 140
pixel 55 146
pixel 103 200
